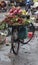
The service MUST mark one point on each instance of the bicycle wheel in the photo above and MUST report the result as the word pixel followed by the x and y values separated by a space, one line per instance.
pixel 15 44
pixel 31 29
pixel 15 48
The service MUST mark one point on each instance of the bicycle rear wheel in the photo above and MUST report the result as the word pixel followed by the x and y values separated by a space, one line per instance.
pixel 31 30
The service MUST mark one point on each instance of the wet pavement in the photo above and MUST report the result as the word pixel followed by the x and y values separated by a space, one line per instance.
pixel 28 54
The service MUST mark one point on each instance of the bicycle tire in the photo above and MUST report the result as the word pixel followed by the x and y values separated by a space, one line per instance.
pixel 33 30
pixel 12 46
pixel 16 52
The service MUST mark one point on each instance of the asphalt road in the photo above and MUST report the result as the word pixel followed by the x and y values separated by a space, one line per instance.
pixel 28 54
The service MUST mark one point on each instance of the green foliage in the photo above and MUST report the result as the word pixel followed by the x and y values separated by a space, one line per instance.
pixel 2 26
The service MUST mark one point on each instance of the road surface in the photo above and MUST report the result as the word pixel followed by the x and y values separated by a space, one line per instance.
pixel 28 54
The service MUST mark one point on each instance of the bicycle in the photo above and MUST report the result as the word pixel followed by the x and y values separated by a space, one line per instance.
pixel 19 33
